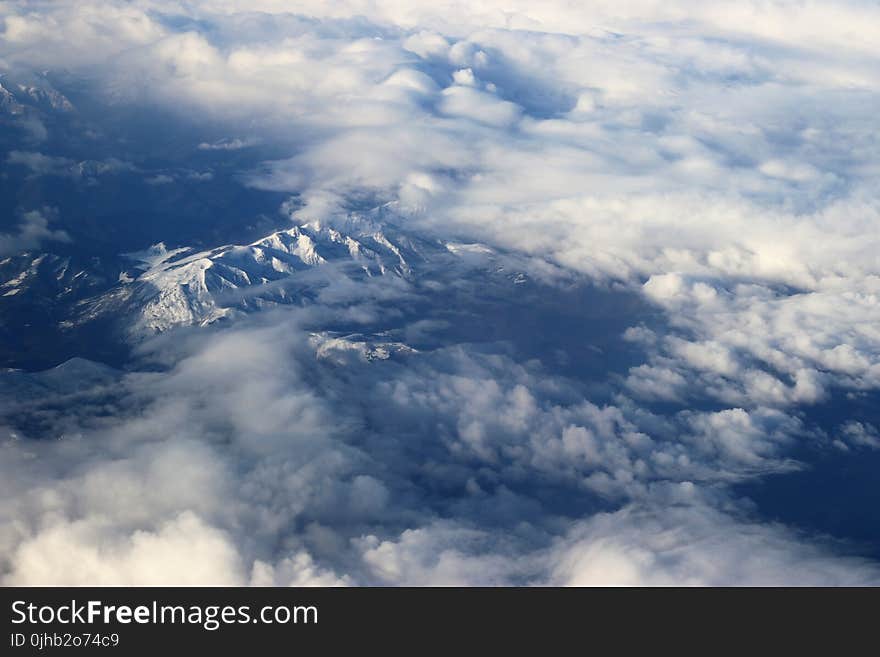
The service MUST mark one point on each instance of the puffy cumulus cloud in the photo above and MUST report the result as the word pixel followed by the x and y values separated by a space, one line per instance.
pixel 685 545
pixel 32 231
pixel 298 570
pixel 183 551
pixel 695 546
pixel 448 466
pixel 446 554
pixel 184 467
pixel 514 424
pixel 81 33
pixel 751 343
pixel 772 22
pixel 719 162
pixel 855 434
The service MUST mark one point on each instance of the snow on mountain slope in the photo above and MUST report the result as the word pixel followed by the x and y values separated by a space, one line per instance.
pixel 8 102
pixel 166 288
pixel 46 96
pixel 52 277
pixel 32 93
pixel 347 349
pixel 56 305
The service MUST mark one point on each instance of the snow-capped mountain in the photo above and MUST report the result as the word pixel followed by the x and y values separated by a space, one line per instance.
pixel 45 96
pixel 8 102
pixel 34 92
pixel 39 293
pixel 78 298
pixel 62 277
pixel 163 288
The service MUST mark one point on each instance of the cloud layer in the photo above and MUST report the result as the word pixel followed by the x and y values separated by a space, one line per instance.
pixel 719 163
pixel 252 462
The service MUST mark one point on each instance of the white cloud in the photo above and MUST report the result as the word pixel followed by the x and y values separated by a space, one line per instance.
pixel 720 162
pixel 181 552
pixel 31 232
pixel 227 144
pixel 695 546
pixel 40 164
pixel 302 493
